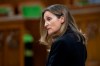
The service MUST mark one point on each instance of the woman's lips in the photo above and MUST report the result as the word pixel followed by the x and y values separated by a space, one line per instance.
pixel 48 28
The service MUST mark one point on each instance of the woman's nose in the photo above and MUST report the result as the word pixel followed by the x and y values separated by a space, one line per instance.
pixel 46 24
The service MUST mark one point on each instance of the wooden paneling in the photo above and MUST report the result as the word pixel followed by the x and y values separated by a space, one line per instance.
pixel 12 47
pixel 1 47
pixel 40 53
pixel 89 22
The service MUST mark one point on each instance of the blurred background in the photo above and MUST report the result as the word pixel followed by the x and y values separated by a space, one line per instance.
pixel 19 30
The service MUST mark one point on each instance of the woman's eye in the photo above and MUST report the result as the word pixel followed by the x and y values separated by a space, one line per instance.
pixel 48 18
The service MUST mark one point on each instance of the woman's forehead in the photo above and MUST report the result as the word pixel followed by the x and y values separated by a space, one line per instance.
pixel 48 14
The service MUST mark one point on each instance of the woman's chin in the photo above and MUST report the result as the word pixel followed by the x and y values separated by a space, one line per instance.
pixel 50 33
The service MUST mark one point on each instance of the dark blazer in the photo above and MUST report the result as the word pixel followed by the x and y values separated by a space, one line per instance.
pixel 67 50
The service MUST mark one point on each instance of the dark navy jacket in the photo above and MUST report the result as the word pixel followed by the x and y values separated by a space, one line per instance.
pixel 67 51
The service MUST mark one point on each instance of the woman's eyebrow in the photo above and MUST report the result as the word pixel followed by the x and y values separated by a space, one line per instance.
pixel 47 17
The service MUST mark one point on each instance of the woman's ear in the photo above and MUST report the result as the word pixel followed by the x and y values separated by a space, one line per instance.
pixel 62 19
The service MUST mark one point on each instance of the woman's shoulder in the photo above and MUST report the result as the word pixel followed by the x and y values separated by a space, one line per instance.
pixel 69 38
pixel 66 40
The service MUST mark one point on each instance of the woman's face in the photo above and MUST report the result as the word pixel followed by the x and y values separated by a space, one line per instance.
pixel 52 23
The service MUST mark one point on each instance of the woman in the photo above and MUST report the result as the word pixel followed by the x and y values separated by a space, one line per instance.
pixel 58 29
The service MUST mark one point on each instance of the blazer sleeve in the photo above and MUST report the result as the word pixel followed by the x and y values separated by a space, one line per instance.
pixel 59 54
